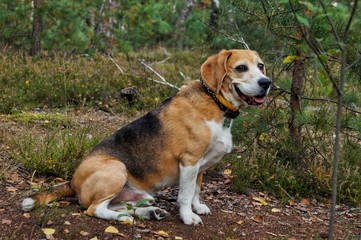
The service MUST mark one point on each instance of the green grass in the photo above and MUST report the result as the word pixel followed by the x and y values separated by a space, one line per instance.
pixel 57 152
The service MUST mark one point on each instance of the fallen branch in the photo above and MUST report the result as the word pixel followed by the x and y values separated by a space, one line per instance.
pixel 120 69
pixel 163 81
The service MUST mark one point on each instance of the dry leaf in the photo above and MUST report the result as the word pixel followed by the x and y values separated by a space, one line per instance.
pixel 59 180
pixel 260 200
pixel 111 229
pixel 66 230
pixel 257 218
pixel 67 223
pixel 94 238
pixel 306 201
pixel 6 221
pixel 84 233
pixel 127 223
pixel 15 177
pixel 11 189
pixel 227 181
pixel 240 222
pixel 292 203
pixel 63 204
pixel 226 211
pixel 274 210
pixel 272 234
pixel 227 172
pixel 162 233
pixel 48 231
pixel 26 215
pixel 178 238
pixel 76 214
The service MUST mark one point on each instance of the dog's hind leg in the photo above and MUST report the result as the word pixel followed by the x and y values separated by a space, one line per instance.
pixel 97 181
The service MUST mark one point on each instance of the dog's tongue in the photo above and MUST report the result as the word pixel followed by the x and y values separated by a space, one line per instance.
pixel 259 100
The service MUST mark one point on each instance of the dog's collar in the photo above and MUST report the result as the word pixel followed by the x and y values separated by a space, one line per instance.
pixel 229 110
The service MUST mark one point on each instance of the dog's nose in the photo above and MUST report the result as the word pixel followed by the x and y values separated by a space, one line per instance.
pixel 264 83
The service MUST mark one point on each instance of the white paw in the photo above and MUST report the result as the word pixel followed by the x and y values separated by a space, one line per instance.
pixel 158 214
pixel 191 218
pixel 201 209
pixel 151 213
pixel 122 217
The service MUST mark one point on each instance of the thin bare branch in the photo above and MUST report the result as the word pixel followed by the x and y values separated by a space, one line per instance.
pixel 163 81
pixel 353 12
pixel 353 63
pixel 334 30
pixel 277 88
pixel 239 40
pixel 120 69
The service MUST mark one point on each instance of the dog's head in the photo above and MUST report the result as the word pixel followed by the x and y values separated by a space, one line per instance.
pixel 238 75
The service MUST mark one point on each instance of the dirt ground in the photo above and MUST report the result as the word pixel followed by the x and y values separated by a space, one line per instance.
pixel 257 215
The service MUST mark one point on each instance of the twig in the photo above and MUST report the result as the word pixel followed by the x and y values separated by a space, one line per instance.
pixel 278 185
pixel 353 63
pixel 240 40
pixel 32 177
pixel 277 88
pixel 120 69
pixel 163 81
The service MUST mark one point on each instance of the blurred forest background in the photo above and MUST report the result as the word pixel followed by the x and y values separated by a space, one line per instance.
pixel 58 56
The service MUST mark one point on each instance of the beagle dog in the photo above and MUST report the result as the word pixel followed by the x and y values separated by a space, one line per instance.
pixel 173 144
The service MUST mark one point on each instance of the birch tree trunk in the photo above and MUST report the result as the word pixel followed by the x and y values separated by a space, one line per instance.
pixel 37 28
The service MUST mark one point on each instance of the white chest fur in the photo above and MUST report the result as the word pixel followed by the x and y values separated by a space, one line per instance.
pixel 221 144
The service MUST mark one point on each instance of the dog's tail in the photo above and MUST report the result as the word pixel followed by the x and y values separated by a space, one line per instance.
pixel 47 197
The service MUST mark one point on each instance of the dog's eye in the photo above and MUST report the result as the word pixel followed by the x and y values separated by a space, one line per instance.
pixel 241 68
pixel 261 66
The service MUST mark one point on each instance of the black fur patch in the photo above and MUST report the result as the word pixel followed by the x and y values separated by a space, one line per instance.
pixel 137 144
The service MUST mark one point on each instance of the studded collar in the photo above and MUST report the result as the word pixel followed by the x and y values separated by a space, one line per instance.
pixel 229 110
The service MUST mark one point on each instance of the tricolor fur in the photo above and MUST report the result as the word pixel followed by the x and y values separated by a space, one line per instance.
pixel 173 144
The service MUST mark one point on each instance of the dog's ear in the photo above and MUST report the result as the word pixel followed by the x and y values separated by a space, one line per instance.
pixel 214 70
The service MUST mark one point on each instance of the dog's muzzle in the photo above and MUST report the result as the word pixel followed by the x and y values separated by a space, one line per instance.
pixel 264 84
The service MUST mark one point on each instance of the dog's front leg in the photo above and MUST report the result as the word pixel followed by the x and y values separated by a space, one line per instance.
pixel 198 207
pixel 187 188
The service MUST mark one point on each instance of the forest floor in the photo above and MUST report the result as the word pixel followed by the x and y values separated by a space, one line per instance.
pixel 257 215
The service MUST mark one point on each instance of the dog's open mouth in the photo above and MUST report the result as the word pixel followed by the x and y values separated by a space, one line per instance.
pixel 254 101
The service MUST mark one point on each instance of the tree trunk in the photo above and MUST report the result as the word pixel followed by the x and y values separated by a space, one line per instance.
pixel 179 27
pixel 296 94
pixel 185 12
pixel 214 13
pixel 37 28
pixel 106 21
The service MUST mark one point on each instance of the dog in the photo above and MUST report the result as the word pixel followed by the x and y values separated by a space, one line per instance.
pixel 173 144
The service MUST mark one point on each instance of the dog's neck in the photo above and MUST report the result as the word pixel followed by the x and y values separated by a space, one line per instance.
pixel 229 110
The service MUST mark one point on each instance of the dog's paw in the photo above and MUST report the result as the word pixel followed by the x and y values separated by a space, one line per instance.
pixel 191 219
pixel 201 209
pixel 151 213
pixel 158 214
pixel 125 218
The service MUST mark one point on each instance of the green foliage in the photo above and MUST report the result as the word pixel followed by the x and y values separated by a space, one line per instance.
pixel 270 160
